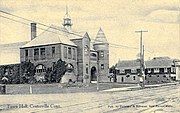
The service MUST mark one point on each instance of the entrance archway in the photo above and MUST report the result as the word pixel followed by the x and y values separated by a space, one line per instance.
pixel 93 74
pixel 122 79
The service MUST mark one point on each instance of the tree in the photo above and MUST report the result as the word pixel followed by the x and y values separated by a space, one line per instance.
pixel 27 72
pixel 15 78
pixel 59 70
pixel 47 75
pixel 10 73
pixel 56 74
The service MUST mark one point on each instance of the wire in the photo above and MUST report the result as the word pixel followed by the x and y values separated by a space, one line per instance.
pixel 14 20
pixel 28 25
pixel 39 23
pixel 114 45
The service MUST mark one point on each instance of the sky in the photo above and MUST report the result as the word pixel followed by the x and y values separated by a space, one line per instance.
pixel 119 20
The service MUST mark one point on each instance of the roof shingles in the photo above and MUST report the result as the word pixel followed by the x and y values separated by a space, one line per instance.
pixel 50 36
pixel 154 63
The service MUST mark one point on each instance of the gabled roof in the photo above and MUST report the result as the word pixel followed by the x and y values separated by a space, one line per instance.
pixel 127 64
pixel 76 35
pixel 157 62
pixel 52 35
pixel 100 38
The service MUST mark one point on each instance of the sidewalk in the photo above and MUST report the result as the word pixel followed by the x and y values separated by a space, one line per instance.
pixel 138 87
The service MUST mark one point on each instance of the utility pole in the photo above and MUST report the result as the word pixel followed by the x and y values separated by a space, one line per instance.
pixel 143 67
pixel 142 74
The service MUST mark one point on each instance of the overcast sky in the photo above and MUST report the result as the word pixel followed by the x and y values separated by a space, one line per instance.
pixel 119 20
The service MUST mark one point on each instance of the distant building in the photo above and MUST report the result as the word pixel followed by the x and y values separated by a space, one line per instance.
pixel 87 58
pixel 10 53
pixel 157 70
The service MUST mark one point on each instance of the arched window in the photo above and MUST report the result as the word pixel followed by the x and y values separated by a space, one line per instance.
pixel 40 68
pixel 86 49
pixel 93 55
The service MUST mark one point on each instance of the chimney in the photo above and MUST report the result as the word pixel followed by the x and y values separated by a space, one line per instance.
pixel 33 31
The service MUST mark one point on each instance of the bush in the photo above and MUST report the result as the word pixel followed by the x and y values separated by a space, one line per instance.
pixel 27 72
pixel 55 75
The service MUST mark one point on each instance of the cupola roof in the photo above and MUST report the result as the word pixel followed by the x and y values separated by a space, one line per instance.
pixel 100 38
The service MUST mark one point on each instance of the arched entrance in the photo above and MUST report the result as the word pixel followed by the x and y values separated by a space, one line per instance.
pixel 69 76
pixel 93 74
pixel 122 79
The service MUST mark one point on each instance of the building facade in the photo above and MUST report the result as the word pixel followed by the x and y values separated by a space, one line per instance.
pixel 157 70
pixel 88 59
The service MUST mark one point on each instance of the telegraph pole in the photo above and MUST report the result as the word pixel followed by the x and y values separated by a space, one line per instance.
pixel 142 74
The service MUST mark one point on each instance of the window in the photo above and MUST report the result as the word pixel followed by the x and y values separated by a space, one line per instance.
pixel 122 71
pixel 74 54
pixel 43 55
pixel 86 49
pixel 102 54
pixel 161 70
pixel 138 71
pixel 127 70
pixel 117 71
pixel 149 70
pixel 133 71
pixel 87 69
pixel 69 53
pixel 26 54
pixel 40 68
pixel 93 54
pixel 53 51
pixel 36 54
pixel 102 66
pixel 173 70
pixel 169 70
pixel 134 77
pixel 65 52
pixel 156 70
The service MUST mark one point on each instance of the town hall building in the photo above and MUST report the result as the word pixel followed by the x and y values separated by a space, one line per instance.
pixel 87 58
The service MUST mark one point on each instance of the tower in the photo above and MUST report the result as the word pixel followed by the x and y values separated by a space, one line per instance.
pixel 67 21
pixel 101 45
